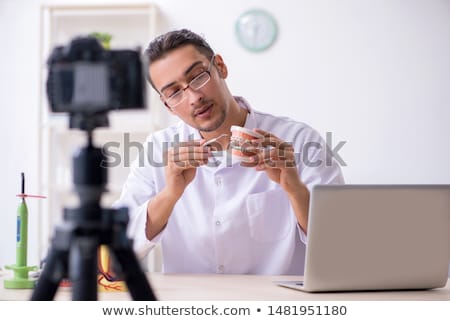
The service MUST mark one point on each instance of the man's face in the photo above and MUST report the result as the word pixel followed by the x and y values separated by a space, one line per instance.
pixel 205 108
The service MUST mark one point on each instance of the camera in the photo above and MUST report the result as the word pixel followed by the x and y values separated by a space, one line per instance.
pixel 85 78
pixel 87 81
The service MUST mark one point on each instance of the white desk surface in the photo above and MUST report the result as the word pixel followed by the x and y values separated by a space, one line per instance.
pixel 191 287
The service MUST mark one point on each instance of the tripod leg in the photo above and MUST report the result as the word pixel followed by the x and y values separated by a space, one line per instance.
pixel 52 274
pixel 135 278
pixel 83 268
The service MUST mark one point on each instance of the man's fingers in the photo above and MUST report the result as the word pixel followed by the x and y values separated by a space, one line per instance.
pixel 271 163
pixel 190 163
pixel 270 140
pixel 188 153
pixel 190 143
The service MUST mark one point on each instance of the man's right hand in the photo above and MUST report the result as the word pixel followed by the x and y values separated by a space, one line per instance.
pixel 182 162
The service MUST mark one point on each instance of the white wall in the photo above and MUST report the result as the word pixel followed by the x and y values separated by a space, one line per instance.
pixel 374 73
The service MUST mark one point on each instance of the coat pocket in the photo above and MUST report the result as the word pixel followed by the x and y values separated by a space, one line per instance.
pixel 270 215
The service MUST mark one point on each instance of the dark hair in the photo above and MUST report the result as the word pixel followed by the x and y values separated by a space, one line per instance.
pixel 172 40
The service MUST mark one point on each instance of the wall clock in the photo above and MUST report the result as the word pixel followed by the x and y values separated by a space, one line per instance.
pixel 256 30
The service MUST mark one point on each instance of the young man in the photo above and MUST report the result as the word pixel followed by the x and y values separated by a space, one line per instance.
pixel 216 214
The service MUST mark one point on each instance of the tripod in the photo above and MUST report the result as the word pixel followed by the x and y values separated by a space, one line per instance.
pixel 74 248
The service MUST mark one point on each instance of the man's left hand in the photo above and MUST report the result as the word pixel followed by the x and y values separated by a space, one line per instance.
pixel 277 159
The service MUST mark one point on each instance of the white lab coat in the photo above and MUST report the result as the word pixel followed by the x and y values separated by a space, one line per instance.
pixel 230 219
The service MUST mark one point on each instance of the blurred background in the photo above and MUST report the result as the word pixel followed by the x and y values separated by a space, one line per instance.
pixel 372 73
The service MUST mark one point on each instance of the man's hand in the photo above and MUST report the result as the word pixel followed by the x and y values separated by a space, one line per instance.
pixel 277 159
pixel 182 162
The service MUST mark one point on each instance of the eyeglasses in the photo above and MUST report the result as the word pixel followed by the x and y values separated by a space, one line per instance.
pixel 179 95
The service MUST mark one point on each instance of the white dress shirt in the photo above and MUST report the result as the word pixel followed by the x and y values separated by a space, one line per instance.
pixel 230 219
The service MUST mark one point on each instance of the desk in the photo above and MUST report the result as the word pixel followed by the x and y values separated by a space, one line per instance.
pixel 191 287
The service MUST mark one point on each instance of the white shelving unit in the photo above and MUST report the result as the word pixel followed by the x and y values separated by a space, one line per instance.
pixel 131 26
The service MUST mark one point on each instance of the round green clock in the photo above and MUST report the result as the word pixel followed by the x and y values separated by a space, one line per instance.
pixel 256 30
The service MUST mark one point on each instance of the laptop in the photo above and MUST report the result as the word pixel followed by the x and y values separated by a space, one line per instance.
pixel 376 237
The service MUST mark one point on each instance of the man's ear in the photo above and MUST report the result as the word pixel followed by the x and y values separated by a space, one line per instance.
pixel 221 66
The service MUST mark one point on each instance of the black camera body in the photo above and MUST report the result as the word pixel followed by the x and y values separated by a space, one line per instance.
pixel 85 78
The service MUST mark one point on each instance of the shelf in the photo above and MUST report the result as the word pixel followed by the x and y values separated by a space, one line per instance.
pixel 129 24
pixel 101 11
pixel 132 26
